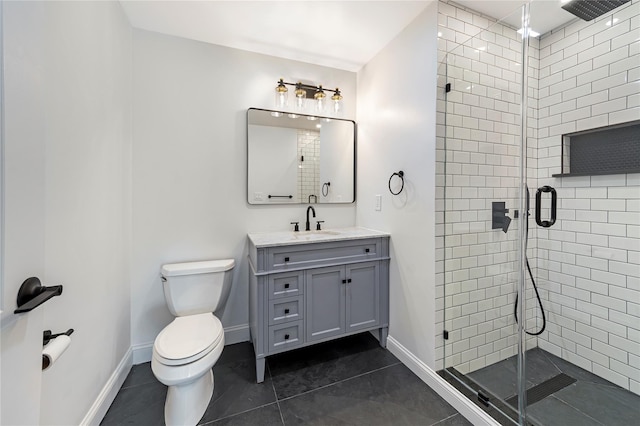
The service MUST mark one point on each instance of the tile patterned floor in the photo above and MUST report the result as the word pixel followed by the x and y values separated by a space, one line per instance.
pixel 351 381
pixel 591 400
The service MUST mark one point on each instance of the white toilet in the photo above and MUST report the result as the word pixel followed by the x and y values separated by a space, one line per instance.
pixel 185 351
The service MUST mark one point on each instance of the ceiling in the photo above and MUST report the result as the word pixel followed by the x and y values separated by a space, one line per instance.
pixel 337 34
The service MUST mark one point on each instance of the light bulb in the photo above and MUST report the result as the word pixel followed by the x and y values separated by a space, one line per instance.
pixel 282 95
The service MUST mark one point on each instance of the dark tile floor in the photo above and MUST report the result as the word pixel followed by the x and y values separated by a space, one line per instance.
pixel 351 381
pixel 591 400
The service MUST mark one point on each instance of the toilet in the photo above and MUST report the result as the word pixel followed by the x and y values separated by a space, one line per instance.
pixel 186 350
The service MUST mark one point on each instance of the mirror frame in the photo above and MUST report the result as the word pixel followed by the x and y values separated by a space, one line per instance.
pixel 355 158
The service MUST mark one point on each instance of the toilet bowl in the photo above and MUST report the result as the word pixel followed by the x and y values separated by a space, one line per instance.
pixel 183 356
pixel 186 350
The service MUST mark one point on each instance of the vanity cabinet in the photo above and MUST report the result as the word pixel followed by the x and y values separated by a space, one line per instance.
pixel 302 293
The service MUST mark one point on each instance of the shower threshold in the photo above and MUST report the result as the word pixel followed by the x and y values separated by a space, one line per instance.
pixel 558 392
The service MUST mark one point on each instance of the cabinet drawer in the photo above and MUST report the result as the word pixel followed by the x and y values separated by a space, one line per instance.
pixel 286 310
pixel 286 284
pixel 285 336
pixel 320 254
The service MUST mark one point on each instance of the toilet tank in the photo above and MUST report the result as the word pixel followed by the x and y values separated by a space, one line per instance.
pixel 196 287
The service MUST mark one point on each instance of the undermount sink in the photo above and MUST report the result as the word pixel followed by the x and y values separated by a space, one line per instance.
pixel 291 237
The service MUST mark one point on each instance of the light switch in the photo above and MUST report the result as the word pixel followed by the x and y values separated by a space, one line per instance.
pixel 378 202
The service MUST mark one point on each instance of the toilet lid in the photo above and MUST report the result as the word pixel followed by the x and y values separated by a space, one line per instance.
pixel 186 338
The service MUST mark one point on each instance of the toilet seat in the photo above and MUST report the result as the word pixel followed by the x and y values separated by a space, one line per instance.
pixel 188 339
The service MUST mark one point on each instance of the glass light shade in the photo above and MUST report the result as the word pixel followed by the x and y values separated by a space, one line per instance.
pixel 282 95
pixel 320 99
pixel 336 100
pixel 301 95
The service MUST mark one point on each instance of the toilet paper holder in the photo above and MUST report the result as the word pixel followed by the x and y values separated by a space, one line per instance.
pixel 47 335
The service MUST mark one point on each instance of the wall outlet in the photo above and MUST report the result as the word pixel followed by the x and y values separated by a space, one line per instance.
pixel 378 202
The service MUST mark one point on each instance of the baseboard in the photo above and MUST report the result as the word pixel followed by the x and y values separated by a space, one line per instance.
pixel 235 334
pixel 450 394
pixel 108 393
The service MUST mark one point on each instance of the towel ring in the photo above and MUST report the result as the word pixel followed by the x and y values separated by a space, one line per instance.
pixel 325 186
pixel 400 174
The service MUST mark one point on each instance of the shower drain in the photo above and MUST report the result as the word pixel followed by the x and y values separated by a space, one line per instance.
pixel 544 389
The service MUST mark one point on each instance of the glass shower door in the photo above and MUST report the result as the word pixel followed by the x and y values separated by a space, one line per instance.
pixel 480 178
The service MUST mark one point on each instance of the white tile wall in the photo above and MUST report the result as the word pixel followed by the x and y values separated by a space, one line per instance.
pixel 477 279
pixel 582 76
pixel 600 209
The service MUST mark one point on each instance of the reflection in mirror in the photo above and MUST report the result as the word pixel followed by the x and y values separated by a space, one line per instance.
pixel 295 158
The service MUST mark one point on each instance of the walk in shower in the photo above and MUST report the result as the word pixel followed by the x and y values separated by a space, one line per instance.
pixel 538 200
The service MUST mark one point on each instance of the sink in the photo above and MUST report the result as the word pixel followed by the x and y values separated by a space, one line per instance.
pixel 272 239
pixel 314 235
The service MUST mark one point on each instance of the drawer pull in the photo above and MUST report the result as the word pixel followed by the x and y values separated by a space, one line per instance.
pixel 286 259
pixel 366 250
pixel 286 337
pixel 286 285
pixel 286 311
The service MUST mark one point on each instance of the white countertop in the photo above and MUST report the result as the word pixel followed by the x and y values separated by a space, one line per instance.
pixel 270 239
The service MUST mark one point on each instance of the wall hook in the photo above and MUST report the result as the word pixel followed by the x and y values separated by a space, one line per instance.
pixel 400 174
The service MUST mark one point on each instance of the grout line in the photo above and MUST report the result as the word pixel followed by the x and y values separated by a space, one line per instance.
pixel 335 383
pixel 273 386
pixel 235 414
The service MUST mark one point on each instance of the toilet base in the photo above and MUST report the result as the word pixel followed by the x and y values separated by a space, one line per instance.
pixel 185 405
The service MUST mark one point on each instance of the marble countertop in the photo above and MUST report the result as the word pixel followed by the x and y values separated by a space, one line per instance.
pixel 270 239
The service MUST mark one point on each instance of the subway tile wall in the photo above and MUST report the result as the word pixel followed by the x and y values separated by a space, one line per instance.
pixel 477 163
pixel 582 76
pixel 588 262
pixel 309 168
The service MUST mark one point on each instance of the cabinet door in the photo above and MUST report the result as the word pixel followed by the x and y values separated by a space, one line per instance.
pixel 325 302
pixel 363 296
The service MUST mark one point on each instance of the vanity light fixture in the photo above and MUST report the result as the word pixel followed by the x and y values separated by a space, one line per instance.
pixel 303 91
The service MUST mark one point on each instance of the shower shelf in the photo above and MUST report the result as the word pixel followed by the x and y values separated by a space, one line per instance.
pixel 601 151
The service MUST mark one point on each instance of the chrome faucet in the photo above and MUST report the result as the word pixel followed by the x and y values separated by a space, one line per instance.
pixel 308 227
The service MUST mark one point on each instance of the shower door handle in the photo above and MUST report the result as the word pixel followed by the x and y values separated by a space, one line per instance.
pixel 554 205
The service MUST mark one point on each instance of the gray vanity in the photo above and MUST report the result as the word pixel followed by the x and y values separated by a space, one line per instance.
pixel 310 287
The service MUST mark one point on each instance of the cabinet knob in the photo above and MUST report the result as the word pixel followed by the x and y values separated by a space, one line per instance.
pixel 286 311
pixel 286 337
pixel 286 259
pixel 349 280
pixel 366 250
pixel 286 285
pixel 344 281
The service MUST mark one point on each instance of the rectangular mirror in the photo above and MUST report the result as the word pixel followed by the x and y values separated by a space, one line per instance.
pixel 299 159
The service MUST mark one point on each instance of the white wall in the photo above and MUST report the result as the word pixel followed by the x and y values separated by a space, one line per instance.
pixel 74 61
pixel 189 164
pixel 336 165
pixel 23 209
pixel 273 162
pixel 396 131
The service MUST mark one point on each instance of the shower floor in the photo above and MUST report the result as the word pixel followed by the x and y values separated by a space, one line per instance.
pixel 590 400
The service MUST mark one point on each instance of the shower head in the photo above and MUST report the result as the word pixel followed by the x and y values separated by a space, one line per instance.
pixel 590 9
